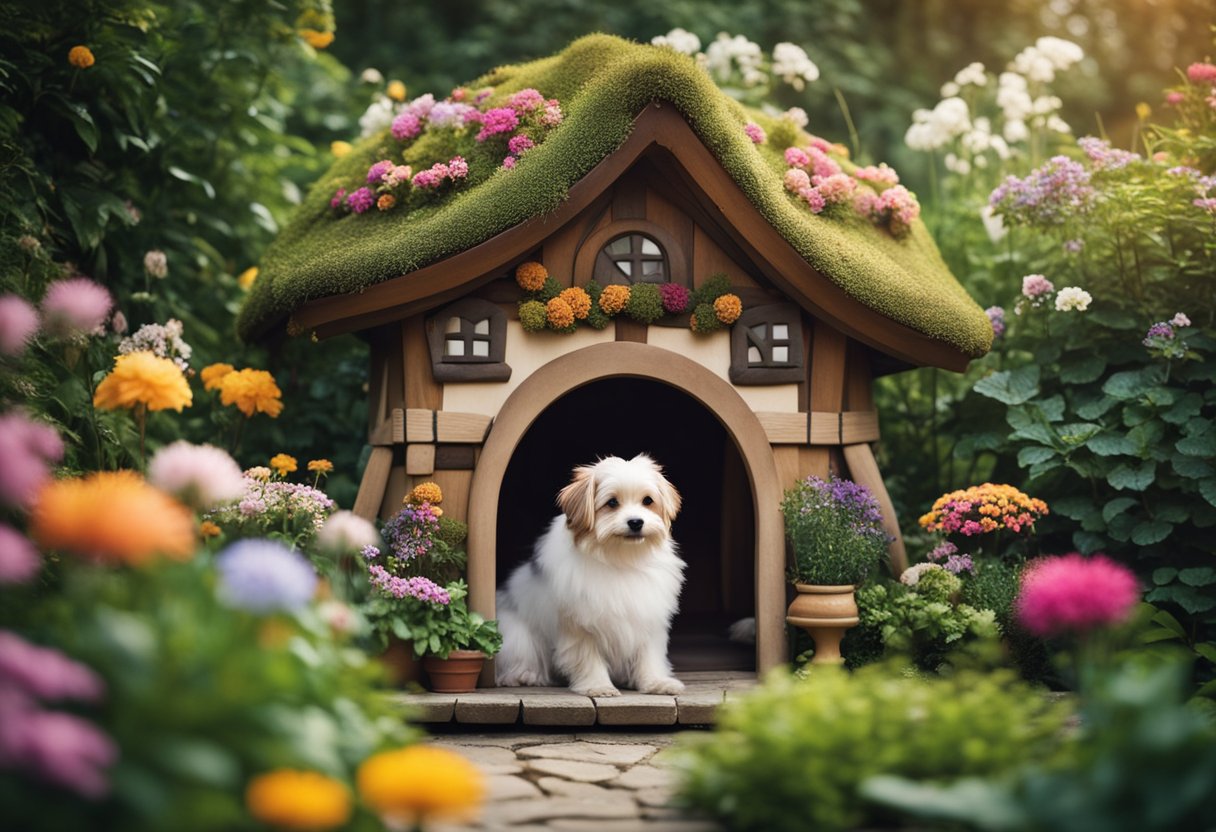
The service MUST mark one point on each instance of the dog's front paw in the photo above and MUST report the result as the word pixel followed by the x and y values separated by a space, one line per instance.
pixel 597 691
pixel 668 687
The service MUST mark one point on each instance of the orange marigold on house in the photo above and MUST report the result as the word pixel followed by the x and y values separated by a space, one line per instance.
pixel 578 300
pixel 728 308
pixel 284 464
pixel 614 298
pixel 213 374
pixel 985 508
pixel 298 800
pixel 81 57
pixel 559 314
pixel 252 391
pixel 112 517
pixel 426 492
pixel 420 783
pixel 531 276
pixel 316 38
pixel 143 378
pixel 386 202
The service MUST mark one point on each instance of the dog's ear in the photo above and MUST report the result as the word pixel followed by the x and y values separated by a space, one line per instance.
pixel 577 500
pixel 670 499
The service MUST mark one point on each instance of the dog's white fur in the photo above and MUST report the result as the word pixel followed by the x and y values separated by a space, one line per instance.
pixel 594 605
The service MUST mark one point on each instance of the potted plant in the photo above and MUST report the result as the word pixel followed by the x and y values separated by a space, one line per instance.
pixel 835 530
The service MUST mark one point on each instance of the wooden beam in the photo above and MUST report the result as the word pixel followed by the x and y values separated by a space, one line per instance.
pixel 630 330
pixel 374 483
pixel 847 428
pixel 421 389
pixel 419 425
pixel 863 469
pixel 419 460
pixel 462 427
pixel 456 457
pixel 783 428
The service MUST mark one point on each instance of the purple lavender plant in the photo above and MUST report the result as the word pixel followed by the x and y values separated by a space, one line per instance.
pixel 1050 195
pixel 835 527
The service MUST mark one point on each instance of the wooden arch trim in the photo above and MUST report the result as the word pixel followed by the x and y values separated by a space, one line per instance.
pixel 603 361
pixel 659 125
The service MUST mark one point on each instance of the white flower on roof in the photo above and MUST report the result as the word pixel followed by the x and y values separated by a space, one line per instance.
pixel 793 65
pixel 1073 297
pixel 722 56
pixel 798 116
pixel 378 116
pixel 1058 125
pixel 679 40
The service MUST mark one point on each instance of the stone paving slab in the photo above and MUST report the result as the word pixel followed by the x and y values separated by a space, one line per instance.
pixel 487 709
pixel 636 709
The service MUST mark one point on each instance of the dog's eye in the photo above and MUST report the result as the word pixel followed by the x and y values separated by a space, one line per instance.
pixel 646 501
pixel 613 503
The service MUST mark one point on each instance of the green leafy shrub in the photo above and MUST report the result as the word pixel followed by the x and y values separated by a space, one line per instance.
pixel 792 754
pixel 645 305
pixel 926 626
pixel 835 529
pixel 435 629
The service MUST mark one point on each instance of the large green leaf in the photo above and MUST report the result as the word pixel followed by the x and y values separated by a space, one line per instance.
pixel 1110 444
pixel 1208 489
pixel 1116 507
pixel 1151 531
pixel 1082 368
pixel 1132 477
pixel 1034 454
pixel 1011 386
pixel 1200 445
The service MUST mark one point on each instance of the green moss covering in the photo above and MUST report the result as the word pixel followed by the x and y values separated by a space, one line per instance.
pixel 603 82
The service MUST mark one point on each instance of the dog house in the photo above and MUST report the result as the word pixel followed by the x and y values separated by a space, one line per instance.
pixel 653 176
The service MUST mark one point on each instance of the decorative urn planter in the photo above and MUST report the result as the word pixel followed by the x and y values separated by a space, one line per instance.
pixel 825 612
pixel 457 673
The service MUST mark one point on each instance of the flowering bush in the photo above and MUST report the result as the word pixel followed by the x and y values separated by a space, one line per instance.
pixel 835 528
pixel 984 509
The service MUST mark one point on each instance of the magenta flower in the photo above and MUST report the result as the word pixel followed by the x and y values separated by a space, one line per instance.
pixel 54 747
pixel 526 101
pixel 675 298
pixel 377 172
pixel 1034 285
pixel 19 561
pixel 339 199
pixel 755 132
pixel 361 200
pixel 497 121
pixel 814 199
pixel 509 162
pixel 796 157
pixel 27 448
pixel 458 168
pixel 427 179
pixel 1174 98
pixel 821 165
pixel 1075 594
pixel 835 189
pixel 44 673
pixel 796 179
pixel 1201 73
pixel 406 126
pixel 520 143
pixel 18 323
pixel 75 306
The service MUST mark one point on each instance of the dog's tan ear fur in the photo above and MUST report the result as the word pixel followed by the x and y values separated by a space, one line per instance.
pixel 670 499
pixel 577 501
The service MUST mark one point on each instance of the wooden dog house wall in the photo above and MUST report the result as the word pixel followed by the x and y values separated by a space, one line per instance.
pixel 791 381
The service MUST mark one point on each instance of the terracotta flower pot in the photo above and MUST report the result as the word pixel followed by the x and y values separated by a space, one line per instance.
pixel 457 673
pixel 825 612
pixel 398 659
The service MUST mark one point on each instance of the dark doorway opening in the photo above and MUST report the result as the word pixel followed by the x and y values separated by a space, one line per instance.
pixel 715 529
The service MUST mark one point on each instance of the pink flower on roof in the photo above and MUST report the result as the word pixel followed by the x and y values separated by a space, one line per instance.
pixel 796 180
pixel 755 132
pixel 796 157
pixel 525 101
pixel 360 200
pixel 458 168
pixel 519 144
pixel 406 126
pixel 814 199
pixel 497 121
pixel 821 165
pixel 552 116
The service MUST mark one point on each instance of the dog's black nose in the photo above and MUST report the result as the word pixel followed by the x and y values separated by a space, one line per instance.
pixel 635 524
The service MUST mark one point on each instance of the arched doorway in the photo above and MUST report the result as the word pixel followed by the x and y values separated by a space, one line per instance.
pixel 626 360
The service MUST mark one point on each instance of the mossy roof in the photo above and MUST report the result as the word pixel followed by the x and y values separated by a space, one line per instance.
pixel 603 83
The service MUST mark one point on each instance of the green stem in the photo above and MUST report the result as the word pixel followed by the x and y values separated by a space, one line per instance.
pixel 854 138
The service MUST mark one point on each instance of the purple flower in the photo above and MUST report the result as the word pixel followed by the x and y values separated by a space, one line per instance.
pixel 54 747
pixel 1049 195
pixel 519 144
pixel 1074 246
pixel 377 172
pixel 959 563
pixel 18 323
pixel 406 126
pixel 19 561
pixel 424 589
pixel 252 506
pixel 27 448
pixel 996 316
pixel 449 114
pixel 370 552
pixel 74 307
pixel 497 121
pixel 44 673
pixel 1104 156
pixel 943 550
pixel 264 576
pixel 411 532
pixel 675 298
pixel 420 108
pixel 360 200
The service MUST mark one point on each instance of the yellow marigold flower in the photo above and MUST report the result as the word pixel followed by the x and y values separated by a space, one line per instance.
pixel 252 391
pixel 340 148
pixel 531 276
pixel 614 298
pixel 386 202
pixel 426 492
pixel 301 800
pixel 320 466
pixel 1143 111
pixel 316 38
pixel 284 464
pixel 213 374
pixel 143 378
pixel 728 308
pixel 246 278
pixel 208 529
pixel 578 300
pixel 420 783
pixel 559 314
pixel 81 57
pixel 112 517
pixel 260 473
pixel 396 90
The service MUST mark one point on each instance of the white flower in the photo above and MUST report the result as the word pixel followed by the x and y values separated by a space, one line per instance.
pixel 202 476
pixel 956 165
pixel 1058 125
pixel 679 40
pixel 371 75
pixel 798 116
pixel 1016 131
pixel 156 264
pixel 1180 320
pixel 378 117
pixel 911 575
pixel 1073 297
pixel 345 531
pixel 792 64
pixel 972 73
pixel 994 224
pixel 1035 65
pixel 950 89
pixel 1061 53
pixel 725 52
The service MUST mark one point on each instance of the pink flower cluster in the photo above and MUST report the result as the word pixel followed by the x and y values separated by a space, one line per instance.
pixel 406 126
pixel 52 746
pixel 526 108
pixel 755 132
pixel 455 170
pixel 497 121
pixel 1036 285
pixel 1201 73
pixel 18 323
pixel 895 207
pixel 424 589
pixel 675 298
pixel 28 448
pixel 1075 594
pixel 19 560
pixel 814 158
pixel 883 174
pixel 75 307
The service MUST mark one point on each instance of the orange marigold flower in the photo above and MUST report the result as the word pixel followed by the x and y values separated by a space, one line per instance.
pixel 252 391
pixel 386 202
pixel 614 298
pixel 320 466
pixel 284 464
pixel 208 529
pixel 728 308
pixel 246 278
pixel 81 57
pixel 559 314
pixel 578 300
pixel 426 492
pixel 298 800
pixel 531 276
pixel 112 517
pixel 396 90
pixel 316 38
pixel 143 378
pixel 421 783
pixel 213 374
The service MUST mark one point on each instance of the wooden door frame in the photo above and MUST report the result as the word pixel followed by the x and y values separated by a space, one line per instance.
pixel 634 360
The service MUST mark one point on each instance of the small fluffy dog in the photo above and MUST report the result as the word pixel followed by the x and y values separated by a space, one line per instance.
pixel 594 604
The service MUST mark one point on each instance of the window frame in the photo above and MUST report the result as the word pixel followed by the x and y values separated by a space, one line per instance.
pixel 468 367
pixel 742 371
pixel 607 272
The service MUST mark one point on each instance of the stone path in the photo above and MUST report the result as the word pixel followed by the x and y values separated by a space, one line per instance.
pixel 573 782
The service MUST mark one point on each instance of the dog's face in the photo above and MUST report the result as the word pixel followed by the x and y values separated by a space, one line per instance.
pixel 620 503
